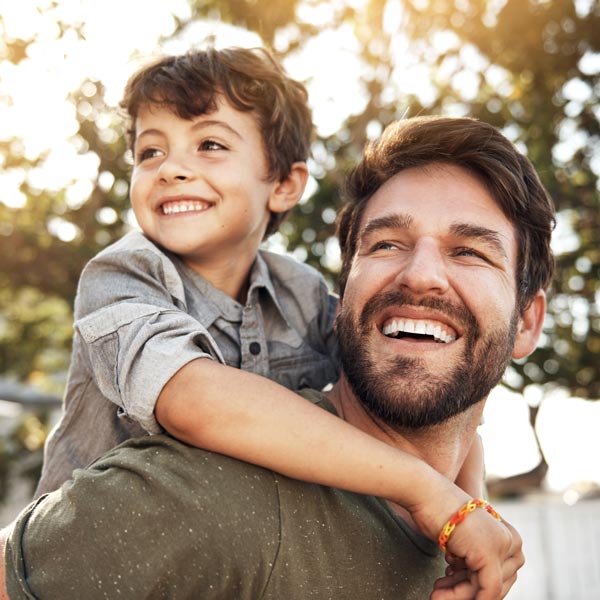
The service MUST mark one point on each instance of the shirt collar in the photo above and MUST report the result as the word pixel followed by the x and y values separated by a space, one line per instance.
pixel 218 304
pixel 260 278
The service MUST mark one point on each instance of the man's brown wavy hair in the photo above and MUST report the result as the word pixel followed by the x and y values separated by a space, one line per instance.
pixel 480 149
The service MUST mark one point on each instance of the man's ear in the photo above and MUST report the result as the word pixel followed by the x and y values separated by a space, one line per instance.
pixel 286 193
pixel 530 326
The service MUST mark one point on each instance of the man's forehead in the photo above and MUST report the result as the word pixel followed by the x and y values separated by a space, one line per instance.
pixel 433 191
pixel 440 200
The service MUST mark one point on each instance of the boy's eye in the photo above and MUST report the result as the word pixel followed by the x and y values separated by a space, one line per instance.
pixel 147 153
pixel 211 146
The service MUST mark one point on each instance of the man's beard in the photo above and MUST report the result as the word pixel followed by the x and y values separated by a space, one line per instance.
pixel 401 391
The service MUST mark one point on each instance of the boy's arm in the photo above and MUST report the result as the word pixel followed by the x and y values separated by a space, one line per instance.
pixel 271 426
pixel 254 419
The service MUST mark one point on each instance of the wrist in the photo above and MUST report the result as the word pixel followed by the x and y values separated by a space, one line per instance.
pixel 439 499
pixel 460 515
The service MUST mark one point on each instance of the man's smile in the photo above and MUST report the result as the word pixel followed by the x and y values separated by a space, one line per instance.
pixel 418 329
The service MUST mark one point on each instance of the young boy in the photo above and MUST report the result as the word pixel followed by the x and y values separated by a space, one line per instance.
pixel 177 328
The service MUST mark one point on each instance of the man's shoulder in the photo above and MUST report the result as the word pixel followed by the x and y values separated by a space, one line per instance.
pixel 142 507
pixel 156 456
pixel 243 531
pixel 185 484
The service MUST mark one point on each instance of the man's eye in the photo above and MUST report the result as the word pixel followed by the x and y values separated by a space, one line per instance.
pixel 384 246
pixel 470 252
pixel 211 146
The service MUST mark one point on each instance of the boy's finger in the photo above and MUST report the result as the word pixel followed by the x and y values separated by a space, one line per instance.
pixel 491 581
pixel 462 590
pixel 451 579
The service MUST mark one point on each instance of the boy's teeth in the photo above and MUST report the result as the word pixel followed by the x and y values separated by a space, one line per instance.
pixel 412 326
pixel 171 208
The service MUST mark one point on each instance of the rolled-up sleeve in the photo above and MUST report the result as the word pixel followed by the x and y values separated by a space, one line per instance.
pixel 136 334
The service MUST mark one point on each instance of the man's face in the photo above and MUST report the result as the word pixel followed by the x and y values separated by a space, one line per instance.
pixel 428 318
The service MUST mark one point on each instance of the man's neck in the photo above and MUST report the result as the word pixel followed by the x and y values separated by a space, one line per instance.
pixel 443 446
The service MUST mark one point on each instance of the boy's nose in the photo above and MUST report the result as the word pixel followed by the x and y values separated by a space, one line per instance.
pixel 174 168
pixel 424 270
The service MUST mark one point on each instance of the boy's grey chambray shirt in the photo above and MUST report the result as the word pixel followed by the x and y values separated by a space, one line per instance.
pixel 141 314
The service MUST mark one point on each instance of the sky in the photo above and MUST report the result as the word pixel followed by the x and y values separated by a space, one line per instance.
pixel 119 35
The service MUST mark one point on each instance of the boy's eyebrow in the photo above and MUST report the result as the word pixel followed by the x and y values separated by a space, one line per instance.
pixel 215 123
pixel 490 237
pixel 195 127
pixel 151 131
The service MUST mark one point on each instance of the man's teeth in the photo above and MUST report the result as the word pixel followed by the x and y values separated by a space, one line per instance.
pixel 181 207
pixel 419 327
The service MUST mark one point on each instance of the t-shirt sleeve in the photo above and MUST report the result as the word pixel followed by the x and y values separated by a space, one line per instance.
pixel 130 316
pixel 151 519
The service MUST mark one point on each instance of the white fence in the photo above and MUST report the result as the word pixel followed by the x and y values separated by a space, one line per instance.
pixel 562 548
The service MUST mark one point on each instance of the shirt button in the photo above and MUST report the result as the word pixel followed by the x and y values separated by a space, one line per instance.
pixel 254 348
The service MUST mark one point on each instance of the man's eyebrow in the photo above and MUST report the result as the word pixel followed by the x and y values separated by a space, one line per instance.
pixel 395 221
pixel 488 236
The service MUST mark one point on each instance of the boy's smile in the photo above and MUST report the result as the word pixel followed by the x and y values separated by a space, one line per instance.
pixel 199 186
pixel 176 206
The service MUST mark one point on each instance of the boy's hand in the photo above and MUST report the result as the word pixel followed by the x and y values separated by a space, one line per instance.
pixel 485 570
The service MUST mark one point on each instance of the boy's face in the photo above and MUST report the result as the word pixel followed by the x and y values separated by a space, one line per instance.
pixel 199 187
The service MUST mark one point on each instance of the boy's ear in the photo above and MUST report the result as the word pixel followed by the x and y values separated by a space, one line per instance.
pixel 530 326
pixel 286 193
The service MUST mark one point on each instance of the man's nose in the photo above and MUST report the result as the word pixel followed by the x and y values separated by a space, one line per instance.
pixel 175 167
pixel 424 270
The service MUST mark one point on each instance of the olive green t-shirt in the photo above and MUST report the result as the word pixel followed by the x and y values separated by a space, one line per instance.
pixel 155 518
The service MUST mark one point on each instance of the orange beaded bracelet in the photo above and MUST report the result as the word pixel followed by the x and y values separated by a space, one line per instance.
pixel 459 517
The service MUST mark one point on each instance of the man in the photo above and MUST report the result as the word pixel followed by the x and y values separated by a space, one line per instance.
pixel 445 257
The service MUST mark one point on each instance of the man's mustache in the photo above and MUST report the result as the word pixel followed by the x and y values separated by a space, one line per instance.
pixel 459 314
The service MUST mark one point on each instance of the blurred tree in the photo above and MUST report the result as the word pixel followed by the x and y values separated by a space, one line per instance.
pixel 530 67
pixel 535 67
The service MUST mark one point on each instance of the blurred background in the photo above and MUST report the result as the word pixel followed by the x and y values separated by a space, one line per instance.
pixel 529 67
